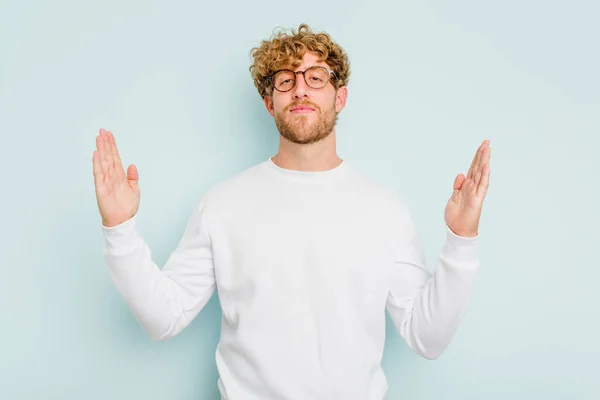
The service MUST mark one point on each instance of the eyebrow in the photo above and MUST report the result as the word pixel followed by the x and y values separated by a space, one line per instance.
pixel 312 65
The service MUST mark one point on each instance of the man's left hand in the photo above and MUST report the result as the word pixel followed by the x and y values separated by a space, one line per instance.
pixel 463 210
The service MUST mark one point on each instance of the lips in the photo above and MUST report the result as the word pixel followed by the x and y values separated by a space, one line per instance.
pixel 302 109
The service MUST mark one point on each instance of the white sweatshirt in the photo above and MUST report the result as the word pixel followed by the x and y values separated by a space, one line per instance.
pixel 305 264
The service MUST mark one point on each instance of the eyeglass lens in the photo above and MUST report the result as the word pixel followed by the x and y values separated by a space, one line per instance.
pixel 315 77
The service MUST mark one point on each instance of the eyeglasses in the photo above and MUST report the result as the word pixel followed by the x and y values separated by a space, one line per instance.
pixel 315 77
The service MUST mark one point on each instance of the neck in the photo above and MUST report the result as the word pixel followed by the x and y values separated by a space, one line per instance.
pixel 320 156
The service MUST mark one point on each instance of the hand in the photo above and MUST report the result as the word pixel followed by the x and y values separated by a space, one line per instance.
pixel 118 195
pixel 464 207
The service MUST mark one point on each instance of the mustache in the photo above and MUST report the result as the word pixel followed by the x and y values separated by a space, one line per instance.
pixel 303 103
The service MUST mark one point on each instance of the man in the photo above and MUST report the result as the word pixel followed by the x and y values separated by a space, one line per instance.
pixel 306 253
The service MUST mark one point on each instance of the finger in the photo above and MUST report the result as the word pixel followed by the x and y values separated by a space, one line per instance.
pixel 98 174
pixel 101 143
pixel 118 164
pixel 98 138
pixel 115 150
pixel 109 151
pixel 477 179
pixel 132 174
pixel 477 163
pixel 471 172
pixel 485 181
pixel 458 181
pixel 485 157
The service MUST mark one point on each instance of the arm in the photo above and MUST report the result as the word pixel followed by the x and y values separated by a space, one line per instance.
pixel 427 308
pixel 163 301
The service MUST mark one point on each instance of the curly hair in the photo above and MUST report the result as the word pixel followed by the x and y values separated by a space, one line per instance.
pixel 283 50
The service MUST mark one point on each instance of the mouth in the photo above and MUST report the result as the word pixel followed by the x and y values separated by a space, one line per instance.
pixel 302 109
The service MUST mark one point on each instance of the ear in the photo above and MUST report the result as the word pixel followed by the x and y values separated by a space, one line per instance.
pixel 340 98
pixel 269 105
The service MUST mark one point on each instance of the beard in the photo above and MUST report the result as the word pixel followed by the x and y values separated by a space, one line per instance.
pixel 298 128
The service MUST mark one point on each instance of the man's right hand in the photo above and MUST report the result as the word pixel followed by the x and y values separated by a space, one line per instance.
pixel 118 194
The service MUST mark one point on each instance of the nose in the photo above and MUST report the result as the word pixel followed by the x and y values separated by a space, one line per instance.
pixel 301 88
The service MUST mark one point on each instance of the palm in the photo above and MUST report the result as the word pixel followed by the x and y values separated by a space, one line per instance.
pixel 463 210
pixel 118 194
pixel 117 197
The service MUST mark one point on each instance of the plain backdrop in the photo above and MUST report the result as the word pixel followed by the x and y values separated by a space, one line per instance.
pixel 430 81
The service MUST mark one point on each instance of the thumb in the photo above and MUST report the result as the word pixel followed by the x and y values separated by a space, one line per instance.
pixel 458 181
pixel 132 174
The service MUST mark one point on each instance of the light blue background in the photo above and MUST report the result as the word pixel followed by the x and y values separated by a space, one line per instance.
pixel 430 81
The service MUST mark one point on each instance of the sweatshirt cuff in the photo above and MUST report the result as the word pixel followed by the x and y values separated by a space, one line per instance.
pixel 461 250
pixel 120 238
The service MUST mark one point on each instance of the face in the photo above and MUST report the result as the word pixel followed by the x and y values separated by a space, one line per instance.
pixel 304 115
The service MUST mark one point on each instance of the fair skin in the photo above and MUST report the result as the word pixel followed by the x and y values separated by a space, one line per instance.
pixel 317 156
pixel 118 192
pixel 463 210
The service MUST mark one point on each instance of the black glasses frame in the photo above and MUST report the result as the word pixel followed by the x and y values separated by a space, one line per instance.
pixel 329 71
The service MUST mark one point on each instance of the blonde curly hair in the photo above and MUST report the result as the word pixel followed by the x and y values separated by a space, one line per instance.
pixel 283 50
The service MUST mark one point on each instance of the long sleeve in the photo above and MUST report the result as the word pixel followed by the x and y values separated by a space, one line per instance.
pixel 427 308
pixel 163 301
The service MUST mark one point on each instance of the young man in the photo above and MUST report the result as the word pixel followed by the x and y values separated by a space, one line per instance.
pixel 305 252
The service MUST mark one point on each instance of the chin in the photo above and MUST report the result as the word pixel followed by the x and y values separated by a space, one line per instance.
pixel 304 128
pixel 304 137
